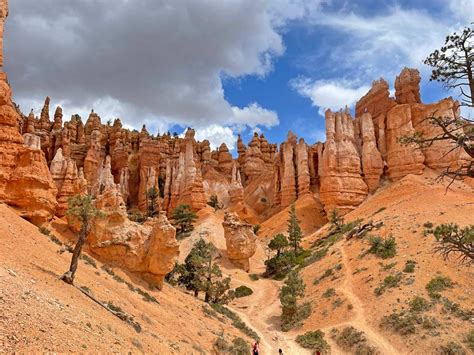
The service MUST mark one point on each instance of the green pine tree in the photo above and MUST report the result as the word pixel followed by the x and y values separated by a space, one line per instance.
pixel 294 231
pixel 278 243
pixel 183 218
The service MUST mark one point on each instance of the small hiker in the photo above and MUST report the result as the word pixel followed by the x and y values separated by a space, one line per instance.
pixel 256 348
pixel 280 352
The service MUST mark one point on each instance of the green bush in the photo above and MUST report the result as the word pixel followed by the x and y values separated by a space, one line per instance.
pixel 239 347
pixel 403 323
pixel 438 284
pixel 329 292
pixel 451 348
pixel 409 266
pixel 383 248
pixel 313 340
pixel 419 304
pixel 253 277
pixel 390 281
pixel 88 260
pixel 137 217
pixel 44 230
pixel 470 340
pixel 428 225
pixel 243 291
pixel 236 321
pixel 350 337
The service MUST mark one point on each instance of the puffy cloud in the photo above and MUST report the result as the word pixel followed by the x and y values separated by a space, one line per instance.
pixel 145 60
pixel 331 94
pixel 216 135
pixel 253 116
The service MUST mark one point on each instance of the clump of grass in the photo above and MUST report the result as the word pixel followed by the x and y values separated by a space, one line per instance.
pixel 337 303
pixel 428 225
pixel 470 340
pixel 409 266
pixel 388 266
pixel 438 284
pixel 403 323
pixel 383 248
pixel 316 256
pixel 146 296
pixel 253 277
pixel 44 230
pixel 86 289
pixel 236 321
pixel 243 291
pixel 88 260
pixel 313 340
pixel 451 348
pixel 456 309
pixel 419 304
pixel 327 273
pixel 302 312
pixel 329 292
pixel 390 281
pixel 353 340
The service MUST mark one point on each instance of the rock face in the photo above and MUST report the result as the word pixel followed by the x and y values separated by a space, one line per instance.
pixel 240 240
pixel 342 186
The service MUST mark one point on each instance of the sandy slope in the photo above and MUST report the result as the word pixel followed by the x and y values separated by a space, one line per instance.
pixel 40 313
pixel 403 207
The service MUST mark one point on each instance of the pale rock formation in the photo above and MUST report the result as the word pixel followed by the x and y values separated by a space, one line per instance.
pixel 342 185
pixel 240 240
pixel 402 159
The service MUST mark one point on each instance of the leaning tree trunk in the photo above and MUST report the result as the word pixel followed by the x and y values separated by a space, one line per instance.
pixel 68 276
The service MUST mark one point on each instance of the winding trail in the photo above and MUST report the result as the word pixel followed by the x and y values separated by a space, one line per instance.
pixel 359 321
pixel 261 310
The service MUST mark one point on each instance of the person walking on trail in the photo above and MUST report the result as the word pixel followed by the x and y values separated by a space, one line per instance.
pixel 256 348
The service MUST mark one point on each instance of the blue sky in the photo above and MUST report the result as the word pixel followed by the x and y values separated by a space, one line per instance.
pixel 222 67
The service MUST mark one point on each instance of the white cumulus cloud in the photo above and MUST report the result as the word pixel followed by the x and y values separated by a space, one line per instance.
pixel 330 94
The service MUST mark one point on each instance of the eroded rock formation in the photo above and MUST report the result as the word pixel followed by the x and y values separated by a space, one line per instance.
pixel 149 250
pixel 342 186
pixel 240 240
